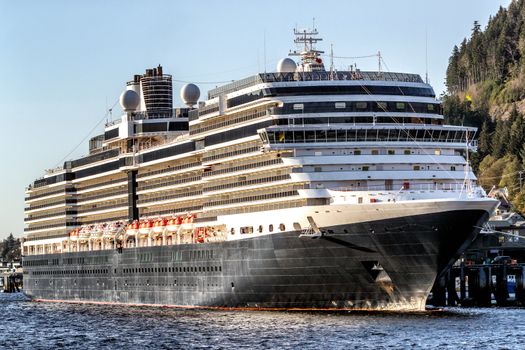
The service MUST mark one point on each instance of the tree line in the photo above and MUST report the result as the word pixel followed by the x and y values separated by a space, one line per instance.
pixel 485 82
pixel 493 54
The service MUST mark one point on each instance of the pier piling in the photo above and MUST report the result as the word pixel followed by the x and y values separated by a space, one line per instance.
pixel 480 285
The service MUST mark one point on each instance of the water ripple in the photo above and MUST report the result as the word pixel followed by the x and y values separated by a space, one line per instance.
pixel 31 325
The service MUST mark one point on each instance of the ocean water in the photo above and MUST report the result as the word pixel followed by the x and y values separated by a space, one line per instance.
pixel 33 325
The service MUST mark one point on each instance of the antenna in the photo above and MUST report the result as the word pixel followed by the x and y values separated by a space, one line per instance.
pixel 107 109
pixel 332 61
pixel 265 51
pixel 310 57
pixel 426 55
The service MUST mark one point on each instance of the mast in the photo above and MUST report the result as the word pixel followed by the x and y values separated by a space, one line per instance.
pixel 332 69
pixel 310 57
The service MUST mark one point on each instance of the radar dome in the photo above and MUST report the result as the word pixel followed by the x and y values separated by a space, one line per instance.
pixel 286 65
pixel 129 100
pixel 190 94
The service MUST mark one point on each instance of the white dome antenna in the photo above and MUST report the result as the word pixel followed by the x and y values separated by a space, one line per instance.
pixel 129 100
pixel 190 94
pixel 286 65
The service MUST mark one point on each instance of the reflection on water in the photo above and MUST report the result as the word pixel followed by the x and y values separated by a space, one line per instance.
pixel 26 324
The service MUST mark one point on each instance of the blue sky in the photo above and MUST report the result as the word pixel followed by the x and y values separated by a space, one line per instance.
pixel 62 63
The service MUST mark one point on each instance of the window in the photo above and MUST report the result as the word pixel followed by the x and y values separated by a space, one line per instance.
pixel 270 228
pixel 341 135
pixel 339 105
pixel 246 230
pixel 232 231
pixel 282 227
pixel 430 107
pixel 260 229
pixel 391 152
pixel 452 168
pixel 375 152
pixel 407 151
pixel 309 136
pixel 366 168
pixel 416 167
pixel 437 152
pixel 298 106
pixel 361 105
pixel 357 152
pixel 381 106
pixel 400 105
pixel 318 169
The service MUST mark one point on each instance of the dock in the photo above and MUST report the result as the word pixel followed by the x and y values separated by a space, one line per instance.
pixel 481 285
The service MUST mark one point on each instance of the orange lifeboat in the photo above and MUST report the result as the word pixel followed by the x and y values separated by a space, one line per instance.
pixel 73 235
pixel 173 224
pixel 145 227
pixel 159 225
pixel 188 220
pixel 132 228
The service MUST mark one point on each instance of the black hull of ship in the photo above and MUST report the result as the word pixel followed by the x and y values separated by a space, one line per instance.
pixel 386 264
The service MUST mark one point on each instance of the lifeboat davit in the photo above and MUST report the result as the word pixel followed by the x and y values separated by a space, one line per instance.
pixel 160 225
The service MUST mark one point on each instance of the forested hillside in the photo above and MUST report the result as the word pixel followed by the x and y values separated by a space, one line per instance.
pixel 486 88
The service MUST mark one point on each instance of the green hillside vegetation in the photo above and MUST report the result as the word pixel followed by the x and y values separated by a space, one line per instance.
pixel 486 88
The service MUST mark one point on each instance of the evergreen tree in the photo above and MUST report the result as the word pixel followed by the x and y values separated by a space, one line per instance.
pixel 517 134
pixel 452 79
pixel 510 175
pixel 500 139
pixel 484 139
pixel 10 248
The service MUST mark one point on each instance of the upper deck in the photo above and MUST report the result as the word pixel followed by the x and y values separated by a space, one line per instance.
pixel 314 76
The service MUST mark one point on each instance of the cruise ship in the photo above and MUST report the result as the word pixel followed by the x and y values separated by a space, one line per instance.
pixel 304 188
